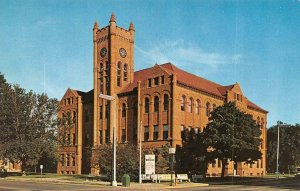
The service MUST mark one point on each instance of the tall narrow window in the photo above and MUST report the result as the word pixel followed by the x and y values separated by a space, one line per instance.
pixel 74 117
pixel 101 84
pixel 123 135
pixel 262 123
pixel 166 102
pixel 166 132
pixel 119 74
pixel 125 72
pixel 146 133
pixel 155 132
pixel 190 102
pixel 123 110
pixel 182 131
pixel 135 108
pixel 156 103
pixel 182 103
pixel 156 81
pixel 106 136
pixel 100 137
pixel 68 159
pixel 163 80
pixel 62 159
pixel 207 108
pixel 149 83
pixel 73 161
pixel 101 112
pixel 106 110
pixel 197 106
pixel 146 105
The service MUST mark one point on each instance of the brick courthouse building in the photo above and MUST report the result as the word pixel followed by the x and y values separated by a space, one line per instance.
pixel 164 98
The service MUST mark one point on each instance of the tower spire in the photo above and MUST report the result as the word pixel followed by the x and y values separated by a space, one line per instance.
pixel 131 27
pixel 112 18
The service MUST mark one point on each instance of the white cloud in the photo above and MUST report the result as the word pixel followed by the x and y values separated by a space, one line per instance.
pixel 187 55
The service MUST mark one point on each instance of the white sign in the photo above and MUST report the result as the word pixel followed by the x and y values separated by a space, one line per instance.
pixel 172 150
pixel 149 164
pixel 41 167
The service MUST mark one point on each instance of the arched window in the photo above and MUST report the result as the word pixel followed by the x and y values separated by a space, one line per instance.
pixel 123 110
pixel 190 103
pixel 166 102
pixel 125 72
pixel 119 74
pixel 197 106
pixel 156 103
pixel 207 108
pixel 258 121
pixel 146 105
pixel 262 123
pixel 182 104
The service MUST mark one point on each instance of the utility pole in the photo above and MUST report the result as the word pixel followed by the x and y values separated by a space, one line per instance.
pixel 140 167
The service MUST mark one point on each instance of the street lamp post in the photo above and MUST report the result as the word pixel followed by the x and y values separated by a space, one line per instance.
pixel 113 99
pixel 140 167
pixel 172 152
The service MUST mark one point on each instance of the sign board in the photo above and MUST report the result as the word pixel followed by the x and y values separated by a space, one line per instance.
pixel 172 150
pixel 41 166
pixel 149 164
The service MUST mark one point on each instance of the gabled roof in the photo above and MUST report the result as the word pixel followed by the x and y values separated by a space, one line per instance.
pixel 87 97
pixel 252 105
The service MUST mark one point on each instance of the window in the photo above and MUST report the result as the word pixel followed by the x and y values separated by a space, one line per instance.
pixel 197 106
pixel 262 123
pixel 74 117
pixel 73 139
pixel 166 131
pixel 207 108
pixel 163 80
pixel 106 110
pixel 101 69
pixel 123 110
pixel 119 74
pixel 101 112
pixel 155 132
pixel 156 103
pixel 73 161
pixel 123 135
pixel 101 84
pixel 219 163
pixel 62 159
pixel 182 131
pixel 182 104
pixel 101 137
pixel 125 72
pixel 69 101
pixel 258 120
pixel 149 83
pixel 68 159
pixel 156 81
pixel 166 102
pixel 106 136
pixel 146 133
pixel 146 105
pixel 190 102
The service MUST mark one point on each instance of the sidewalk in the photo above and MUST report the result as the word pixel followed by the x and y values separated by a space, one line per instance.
pixel 133 185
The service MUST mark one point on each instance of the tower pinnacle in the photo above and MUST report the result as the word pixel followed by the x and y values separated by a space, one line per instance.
pixel 131 27
pixel 112 18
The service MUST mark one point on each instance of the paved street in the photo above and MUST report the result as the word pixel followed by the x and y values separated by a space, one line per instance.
pixel 39 186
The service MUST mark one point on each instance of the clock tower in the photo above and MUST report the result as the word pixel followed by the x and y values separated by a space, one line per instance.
pixel 113 70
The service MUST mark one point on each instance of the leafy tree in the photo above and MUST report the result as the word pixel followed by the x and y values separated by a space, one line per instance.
pixel 27 122
pixel 289 152
pixel 127 161
pixel 162 159
pixel 232 134
pixel 191 156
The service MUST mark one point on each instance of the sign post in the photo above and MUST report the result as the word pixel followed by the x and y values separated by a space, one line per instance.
pixel 41 167
pixel 172 152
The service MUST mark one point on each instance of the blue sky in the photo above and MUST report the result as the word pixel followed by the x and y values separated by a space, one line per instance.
pixel 47 45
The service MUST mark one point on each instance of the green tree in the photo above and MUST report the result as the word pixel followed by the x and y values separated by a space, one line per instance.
pixel 289 152
pixel 191 157
pixel 127 161
pixel 232 134
pixel 28 124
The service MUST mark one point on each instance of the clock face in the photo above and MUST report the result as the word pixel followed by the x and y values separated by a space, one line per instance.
pixel 122 52
pixel 103 52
